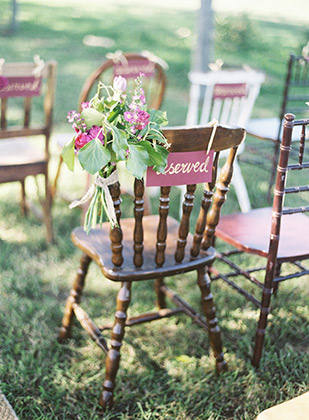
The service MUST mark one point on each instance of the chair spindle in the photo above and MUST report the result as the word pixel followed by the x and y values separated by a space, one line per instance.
pixel 162 227
pixel 205 205
pixel 116 232
pixel 138 228
pixel 222 188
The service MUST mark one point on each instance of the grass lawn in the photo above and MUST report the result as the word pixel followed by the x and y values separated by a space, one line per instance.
pixel 166 371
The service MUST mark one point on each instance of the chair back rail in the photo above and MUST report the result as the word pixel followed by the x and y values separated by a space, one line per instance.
pixel 29 128
pixel 227 96
pixel 181 140
pixel 154 81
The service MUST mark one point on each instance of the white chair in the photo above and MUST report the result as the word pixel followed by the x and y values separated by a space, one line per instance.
pixel 227 96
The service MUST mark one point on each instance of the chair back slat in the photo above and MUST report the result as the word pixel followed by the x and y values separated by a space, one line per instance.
pixel 116 232
pixel 138 227
pixel 205 205
pixel 162 226
pixel 185 223
pixel 219 197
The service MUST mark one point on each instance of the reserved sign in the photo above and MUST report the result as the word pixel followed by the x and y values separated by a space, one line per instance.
pixel 21 86
pixel 132 68
pixel 183 168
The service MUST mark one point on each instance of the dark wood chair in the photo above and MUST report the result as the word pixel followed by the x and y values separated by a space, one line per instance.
pixel 154 247
pixel 294 97
pixel 278 234
pixel 129 66
pixel 31 87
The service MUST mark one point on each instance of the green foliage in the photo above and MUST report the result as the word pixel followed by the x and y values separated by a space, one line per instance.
pixel 93 156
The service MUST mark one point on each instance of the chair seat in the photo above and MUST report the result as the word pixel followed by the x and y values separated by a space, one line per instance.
pixel 19 152
pixel 250 232
pixel 97 245
pixel 268 128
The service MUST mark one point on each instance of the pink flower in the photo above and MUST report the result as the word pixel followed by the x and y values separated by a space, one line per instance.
pixel 94 131
pixel 81 139
pixel 85 105
pixel 120 84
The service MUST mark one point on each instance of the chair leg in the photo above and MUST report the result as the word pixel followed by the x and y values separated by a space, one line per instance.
pixel 74 297
pixel 212 322
pixel 262 323
pixel 55 183
pixel 23 204
pixel 277 274
pixel 113 355
pixel 47 207
pixel 161 301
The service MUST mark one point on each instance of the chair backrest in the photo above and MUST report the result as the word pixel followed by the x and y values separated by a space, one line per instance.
pixel 282 192
pixel 27 93
pixel 296 88
pixel 182 140
pixel 129 66
pixel 227 96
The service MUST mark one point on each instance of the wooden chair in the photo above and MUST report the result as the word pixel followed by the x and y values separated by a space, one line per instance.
pixel 278 234
pixel 154 247
pixel 227 96
pixel 128 65
pixel 32 87
pixel 295 95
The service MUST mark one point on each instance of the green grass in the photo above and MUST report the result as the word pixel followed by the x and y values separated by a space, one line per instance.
pixel 45 380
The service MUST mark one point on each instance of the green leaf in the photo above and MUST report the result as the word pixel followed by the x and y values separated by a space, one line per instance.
pixel 137 161
pixel 68 154
pixel 158 117
pixel 155 156
pixel 92 117
pixel 156 135
pixel 93 156
pixel 163 153
pixel 120 143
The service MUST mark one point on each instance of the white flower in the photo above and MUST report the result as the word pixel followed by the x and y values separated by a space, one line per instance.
pixel 120 84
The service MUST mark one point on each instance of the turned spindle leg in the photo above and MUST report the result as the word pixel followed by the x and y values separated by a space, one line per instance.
pixel 161 301
pixel 74 297
pixel 113 356
pixel 212 322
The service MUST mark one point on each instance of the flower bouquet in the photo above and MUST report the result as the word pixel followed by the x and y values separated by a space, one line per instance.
pixel 114 126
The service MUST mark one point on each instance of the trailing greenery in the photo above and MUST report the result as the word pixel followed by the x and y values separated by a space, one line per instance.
pixel 166 369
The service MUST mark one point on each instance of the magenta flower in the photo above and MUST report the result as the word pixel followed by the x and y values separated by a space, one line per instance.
pixel 95 131
pixel 85 105
pixel 81 139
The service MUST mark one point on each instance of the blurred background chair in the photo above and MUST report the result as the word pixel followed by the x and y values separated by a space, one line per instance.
pixel 129 66
pixel 278 234
pixel 294 98
pixel 227 96
pixel 27 98
pixel 154 247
